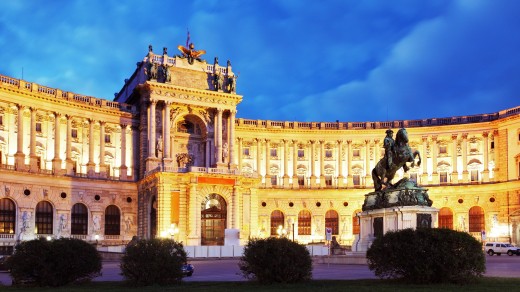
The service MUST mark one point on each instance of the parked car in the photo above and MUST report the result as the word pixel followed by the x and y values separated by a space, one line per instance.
pixel 188 269
pixel 499 248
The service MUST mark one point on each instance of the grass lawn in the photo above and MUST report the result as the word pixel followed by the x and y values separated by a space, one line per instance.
pixel 485 284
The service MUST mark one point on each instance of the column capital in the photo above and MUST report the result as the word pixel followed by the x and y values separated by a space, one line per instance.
pixel 464 136
pixel 434 138
pixel 322 142
pixel 340 142
pixel 349 141
pixel 454 136
pixel 153 101
pixel 485 134
pixel 57 114
pixel 33 109
pixel 20 107
pixel 312 141
pixel 123 126
pixel 68 116
pixel 285 141
pixel 425 138
pixel 376 141
pixel 102 123
pixel 367 141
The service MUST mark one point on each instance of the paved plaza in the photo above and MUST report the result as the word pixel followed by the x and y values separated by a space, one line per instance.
pixel 227 270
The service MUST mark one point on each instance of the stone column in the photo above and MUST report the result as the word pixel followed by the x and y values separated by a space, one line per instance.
pixel 295 164
pixel 69 163
pixel 368 176
pixel 219 136
pixel 424 176
pixel 454 174
pixel 91 164
pixel 33 158
pixel 166 130
pixel 286 163
pixel 258 157
pixel 19 156
pixel 240 153
pixel 485 172
pixel 267 161
pixel 231 148
pixel 193 234
pixel 102 165
pixel 208 153
pixel 465 174
pixel 56 162
pixel 236 208
pixel 123 169
pixel 151 131
pixel 340 164
pixel 322 163
pixel 350 178
pixel 313 164
pixel 435 153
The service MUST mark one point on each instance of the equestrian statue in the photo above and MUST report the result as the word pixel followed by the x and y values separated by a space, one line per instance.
pixel 397 154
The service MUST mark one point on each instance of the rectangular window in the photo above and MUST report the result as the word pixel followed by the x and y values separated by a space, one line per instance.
pixel 74 133
pixel 38 127
pixel 107 138
pixel 246 151
pixel 355 153
pixel 274 152
pixel 492 144
pixel 474 175
pixel 301 153
pixel 443 177
pixel 1 120
pixel 413 177
pixel 328 181
pixel 357 179
pixel 328 153
pixel 273 180
pixel 442 149
pixel 301 181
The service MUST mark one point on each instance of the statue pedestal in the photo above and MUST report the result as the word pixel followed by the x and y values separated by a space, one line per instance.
pixel 404 205
pixel 375 223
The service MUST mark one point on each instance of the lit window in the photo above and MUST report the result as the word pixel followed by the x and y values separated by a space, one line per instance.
pixel 246 151
pixel 38 127
pixel 301 180
pixel 112 220
pixel 74 133
pixel 107 138
pixel 274 152
pixel 273 180
pixel 328 180
pixel 304 223
pixel 43 219
pixel 328 153
pixel 474 175
pixel 357 179
pixel 1 120
pixel 443 177
pixel 442 149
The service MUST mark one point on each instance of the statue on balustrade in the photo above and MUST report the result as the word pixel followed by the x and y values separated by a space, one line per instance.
pixel 190 53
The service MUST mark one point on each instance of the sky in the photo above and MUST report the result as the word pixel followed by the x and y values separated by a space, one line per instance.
pixel 297 60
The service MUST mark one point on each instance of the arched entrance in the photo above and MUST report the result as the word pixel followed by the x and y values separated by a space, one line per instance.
pixel 445 218
pixel 213 220
pixel 190 142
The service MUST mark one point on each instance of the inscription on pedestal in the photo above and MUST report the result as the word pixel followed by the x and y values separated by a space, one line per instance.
pixel 378 226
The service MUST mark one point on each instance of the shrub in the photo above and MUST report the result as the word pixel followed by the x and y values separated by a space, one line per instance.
pixel 427 255
pixel 153 261
pixel 276 260
pixel 54 263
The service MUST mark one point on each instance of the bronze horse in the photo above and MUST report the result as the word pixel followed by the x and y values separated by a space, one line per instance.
pixel 401 153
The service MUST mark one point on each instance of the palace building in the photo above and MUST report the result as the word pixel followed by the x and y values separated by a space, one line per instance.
pixel 169 157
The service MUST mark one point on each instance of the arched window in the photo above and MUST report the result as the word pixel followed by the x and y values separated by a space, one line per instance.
pixel 476 219
pixel 355 223
pixel 79 220
pixel 445 218
pixel 277 219
pixel 112 220
pixel 44 216
pixel 332 221
pixel 304 222
pixel 7 216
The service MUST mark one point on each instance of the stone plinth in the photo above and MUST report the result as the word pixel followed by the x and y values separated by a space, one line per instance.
pixel 375 223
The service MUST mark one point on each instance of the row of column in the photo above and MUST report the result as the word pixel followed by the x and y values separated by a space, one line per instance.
pixel 166 135
pixel 57 161
pixel 367 159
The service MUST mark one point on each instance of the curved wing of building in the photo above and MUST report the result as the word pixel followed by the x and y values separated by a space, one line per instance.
pixel 168 157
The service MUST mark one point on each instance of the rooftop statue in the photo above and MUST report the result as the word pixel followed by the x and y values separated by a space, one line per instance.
pixel 190 53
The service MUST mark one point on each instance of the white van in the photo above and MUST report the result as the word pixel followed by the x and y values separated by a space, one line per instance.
pixel 499 248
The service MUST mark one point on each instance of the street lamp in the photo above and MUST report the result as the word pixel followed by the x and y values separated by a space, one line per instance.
pixel 281 231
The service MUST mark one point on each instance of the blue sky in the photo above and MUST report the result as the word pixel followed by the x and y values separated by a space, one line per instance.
pixel 346 60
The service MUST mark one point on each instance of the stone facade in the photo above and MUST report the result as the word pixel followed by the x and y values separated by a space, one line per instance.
pixel 169 157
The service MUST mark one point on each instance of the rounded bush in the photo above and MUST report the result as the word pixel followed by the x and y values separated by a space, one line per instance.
pixel 153 261
pixel 54 263
pixel 276 260
pixel 427 255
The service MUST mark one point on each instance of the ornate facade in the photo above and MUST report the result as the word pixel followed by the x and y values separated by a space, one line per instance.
pixel 169 157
